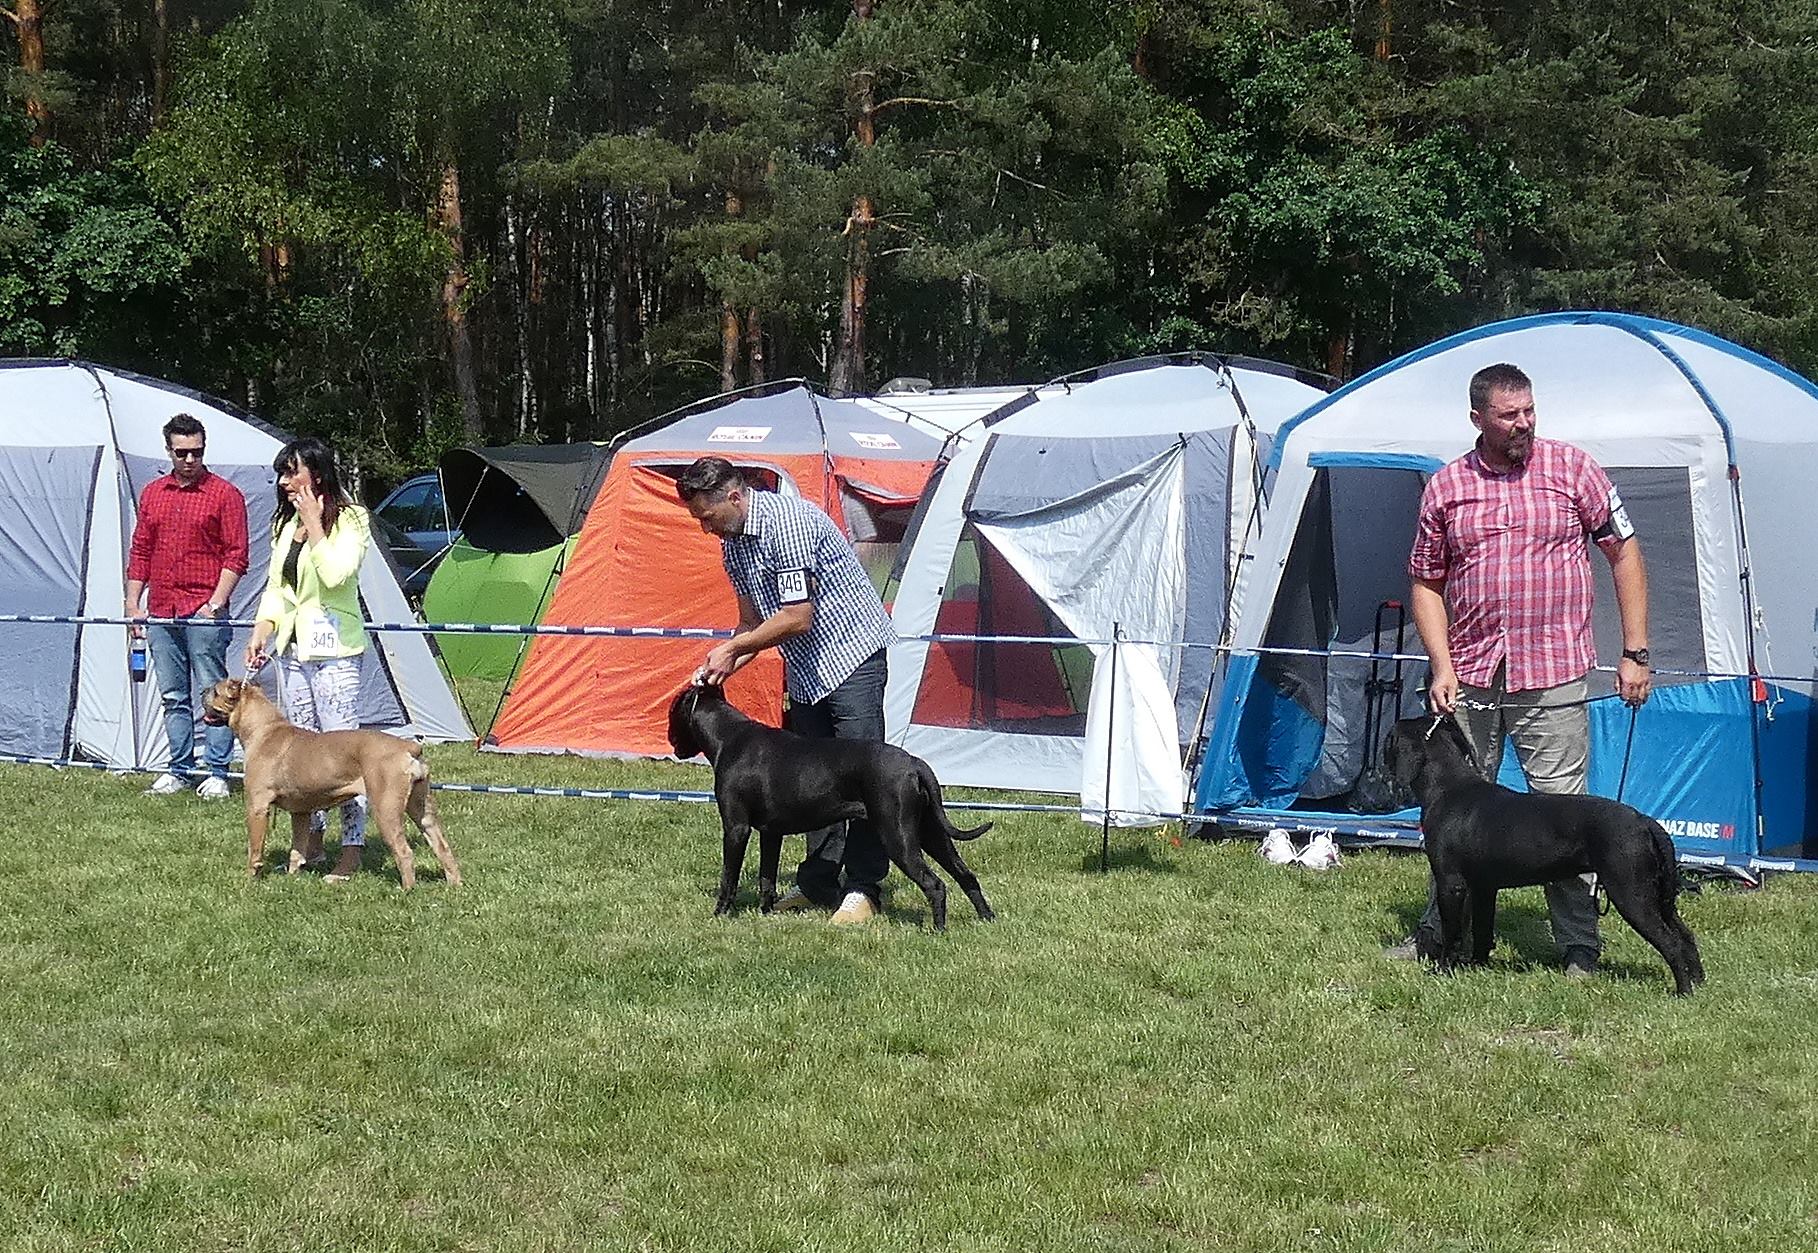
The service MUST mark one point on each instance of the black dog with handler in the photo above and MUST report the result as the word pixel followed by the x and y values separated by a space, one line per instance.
pixel 779 783
pixel 1481 836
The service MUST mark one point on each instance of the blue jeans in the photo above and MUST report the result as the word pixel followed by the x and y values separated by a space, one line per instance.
pixel 852 711
pixel 187 659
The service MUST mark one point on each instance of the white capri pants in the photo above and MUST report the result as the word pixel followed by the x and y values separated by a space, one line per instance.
pixel 325 696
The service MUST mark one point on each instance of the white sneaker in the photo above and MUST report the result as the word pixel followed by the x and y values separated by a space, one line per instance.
pixel 213 788
pixel 1321 853
pixel 166 784
pixel 1277 847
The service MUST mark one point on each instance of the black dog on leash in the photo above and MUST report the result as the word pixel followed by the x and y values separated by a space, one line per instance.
pixel 779 783
pixel 1481 836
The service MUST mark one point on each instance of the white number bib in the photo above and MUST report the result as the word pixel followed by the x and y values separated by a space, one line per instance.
pixel 322 633
pixel 792 586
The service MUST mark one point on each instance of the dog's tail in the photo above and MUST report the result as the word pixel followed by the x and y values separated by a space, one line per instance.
pixel 931 792
pixel 1668 875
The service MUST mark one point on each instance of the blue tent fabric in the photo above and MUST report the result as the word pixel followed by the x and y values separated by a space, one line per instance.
pixel 1710 443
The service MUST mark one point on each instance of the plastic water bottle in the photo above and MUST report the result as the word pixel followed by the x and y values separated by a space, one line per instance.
pixel 136 659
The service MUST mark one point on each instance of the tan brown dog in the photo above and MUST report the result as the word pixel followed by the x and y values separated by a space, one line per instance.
pixel 302 771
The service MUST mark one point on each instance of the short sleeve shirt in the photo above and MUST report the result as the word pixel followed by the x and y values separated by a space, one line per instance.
pixel 1513 550
pixel 791 552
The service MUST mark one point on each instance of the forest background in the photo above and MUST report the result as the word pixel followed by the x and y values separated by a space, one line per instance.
pixel 409 224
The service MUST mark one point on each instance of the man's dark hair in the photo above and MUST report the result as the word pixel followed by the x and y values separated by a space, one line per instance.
pixel 711 477
pixel 183 424
pixel 1496 378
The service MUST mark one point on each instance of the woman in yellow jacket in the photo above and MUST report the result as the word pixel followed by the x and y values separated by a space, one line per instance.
pixel 309 617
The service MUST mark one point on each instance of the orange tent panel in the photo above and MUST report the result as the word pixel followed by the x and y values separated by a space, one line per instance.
pixel 640 561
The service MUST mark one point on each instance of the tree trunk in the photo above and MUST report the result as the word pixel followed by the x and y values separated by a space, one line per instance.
pixel 1383 16
pixel 454 289
pixel 730 328
pixel 517 244
pixel 754 344
pixel 848 370
pixel 1338 349
pixel 27 17
pixel 160 59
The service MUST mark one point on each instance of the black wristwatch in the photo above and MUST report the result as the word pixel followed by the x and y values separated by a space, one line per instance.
pixel 1637 655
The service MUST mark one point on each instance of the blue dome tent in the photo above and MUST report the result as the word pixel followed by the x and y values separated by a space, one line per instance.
pixel 1712 448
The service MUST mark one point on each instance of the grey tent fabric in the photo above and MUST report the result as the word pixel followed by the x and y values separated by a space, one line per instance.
pixel 521 498
pixel 1658 500
pixel 44 522
pixel 77 526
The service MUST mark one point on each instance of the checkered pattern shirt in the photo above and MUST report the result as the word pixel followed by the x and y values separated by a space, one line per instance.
pixel 791 551
pixel 183 538
pixel 1511 550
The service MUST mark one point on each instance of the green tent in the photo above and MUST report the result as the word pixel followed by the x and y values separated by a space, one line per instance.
pixel 518 509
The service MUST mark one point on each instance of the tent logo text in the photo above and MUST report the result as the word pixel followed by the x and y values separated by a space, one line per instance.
pixel 739 435
pixel 1680 829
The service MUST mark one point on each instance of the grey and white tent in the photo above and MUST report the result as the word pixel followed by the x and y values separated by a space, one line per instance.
pixel 78 443
pixel 1111 500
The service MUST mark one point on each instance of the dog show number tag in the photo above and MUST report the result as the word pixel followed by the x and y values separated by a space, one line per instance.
pixel 792 586
pixel 322 633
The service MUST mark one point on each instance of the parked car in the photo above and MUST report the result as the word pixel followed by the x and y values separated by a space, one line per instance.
pixel 413 523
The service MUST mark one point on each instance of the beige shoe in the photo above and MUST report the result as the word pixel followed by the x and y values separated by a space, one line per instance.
pixel 792 901
pixel 855 909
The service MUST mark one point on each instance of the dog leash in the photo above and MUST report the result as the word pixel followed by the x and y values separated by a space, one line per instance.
pixel 1628 748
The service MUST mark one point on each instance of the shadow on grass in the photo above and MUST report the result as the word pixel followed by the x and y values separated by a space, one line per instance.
pixel 1523 935
pixel 375 862
pixel 1127 857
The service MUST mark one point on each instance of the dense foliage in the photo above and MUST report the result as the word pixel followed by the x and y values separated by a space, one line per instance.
pixel 405 223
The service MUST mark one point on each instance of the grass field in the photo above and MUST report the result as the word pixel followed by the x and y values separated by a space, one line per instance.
pixel 1196 1050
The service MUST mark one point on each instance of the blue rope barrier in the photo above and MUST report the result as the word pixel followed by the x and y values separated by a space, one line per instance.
pixel 722 633
pixel 566 793
pixel 1352 832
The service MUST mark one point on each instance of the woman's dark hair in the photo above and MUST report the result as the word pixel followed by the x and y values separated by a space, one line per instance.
pixel 319 459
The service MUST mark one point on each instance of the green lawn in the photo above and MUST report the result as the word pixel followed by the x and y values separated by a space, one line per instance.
pixel 1197 1050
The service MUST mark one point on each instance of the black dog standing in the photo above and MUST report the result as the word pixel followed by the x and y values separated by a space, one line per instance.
pixel 778 783
pixel 1481 836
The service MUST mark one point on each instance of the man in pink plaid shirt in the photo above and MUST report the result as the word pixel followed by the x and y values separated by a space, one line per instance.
pixel 1501 597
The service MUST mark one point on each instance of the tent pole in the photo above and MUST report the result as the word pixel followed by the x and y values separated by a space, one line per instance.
pixel 1104 841
pixel 1756 687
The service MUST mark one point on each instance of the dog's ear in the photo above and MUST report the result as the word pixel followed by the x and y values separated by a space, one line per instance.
pixel 681 723
pixel 1402 752
pixel 1454 735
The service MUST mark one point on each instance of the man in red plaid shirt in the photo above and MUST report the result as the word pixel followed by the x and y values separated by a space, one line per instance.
pixel 1501 597
pixel 189 547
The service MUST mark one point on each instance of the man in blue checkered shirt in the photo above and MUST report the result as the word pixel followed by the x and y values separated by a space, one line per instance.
pixel 803 592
